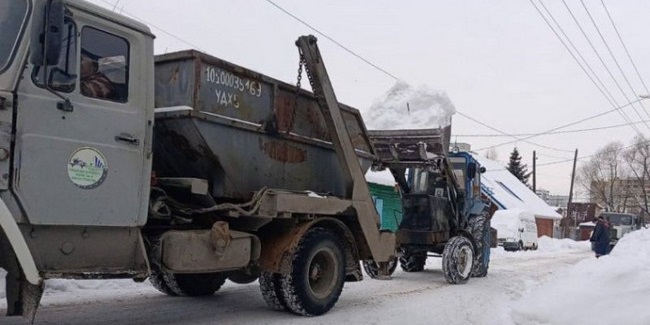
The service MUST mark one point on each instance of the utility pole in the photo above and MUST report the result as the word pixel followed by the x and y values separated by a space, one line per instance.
pixel 573 177
pixel 534 174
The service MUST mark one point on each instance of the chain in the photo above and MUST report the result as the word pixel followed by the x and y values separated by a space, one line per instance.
pixel 301 64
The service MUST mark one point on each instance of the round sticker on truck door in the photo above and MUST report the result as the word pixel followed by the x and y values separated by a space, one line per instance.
pixel 87 168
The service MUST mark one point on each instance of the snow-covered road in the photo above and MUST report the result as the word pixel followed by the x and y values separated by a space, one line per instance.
pixel 410 298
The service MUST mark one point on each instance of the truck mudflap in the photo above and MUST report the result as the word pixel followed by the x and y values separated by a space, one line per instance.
pixel 19 245
pixel 24 283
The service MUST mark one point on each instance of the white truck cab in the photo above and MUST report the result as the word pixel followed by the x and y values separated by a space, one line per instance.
pixel 516 229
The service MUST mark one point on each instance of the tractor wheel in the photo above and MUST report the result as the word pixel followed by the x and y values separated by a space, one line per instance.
pixel 372 268
pixel 271 288
pixel 412 262
pixel 457 260
pixel 317 273
pixel 479 226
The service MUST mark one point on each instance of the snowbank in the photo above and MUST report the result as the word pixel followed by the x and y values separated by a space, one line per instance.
pixel 407 107
pixel 547 244
pixel 609 290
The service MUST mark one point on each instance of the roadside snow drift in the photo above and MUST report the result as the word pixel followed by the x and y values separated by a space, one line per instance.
pixel 613 289
pixel 407 107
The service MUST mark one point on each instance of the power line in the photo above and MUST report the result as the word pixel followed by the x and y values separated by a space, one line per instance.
pixel 518 139
pixel 589 156
pixel 625 117
pixel 548 133
pixel 566 125
pixel 625 48
pixel 627 81
pixel 581 67
pixel 600 84
pixel 333 40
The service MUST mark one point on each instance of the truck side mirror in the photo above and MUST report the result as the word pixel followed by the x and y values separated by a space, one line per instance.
pixel 46 49
pixel 481 170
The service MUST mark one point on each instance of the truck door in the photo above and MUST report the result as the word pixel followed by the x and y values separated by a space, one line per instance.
pixel 85 163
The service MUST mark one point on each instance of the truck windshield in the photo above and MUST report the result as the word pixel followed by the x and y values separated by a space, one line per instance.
pixel 619 219
pixel 13 15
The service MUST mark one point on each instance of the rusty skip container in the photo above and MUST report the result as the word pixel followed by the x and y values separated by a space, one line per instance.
pixel 243 131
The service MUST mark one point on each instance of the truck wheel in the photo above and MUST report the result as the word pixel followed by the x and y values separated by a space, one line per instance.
pixel 317 274
pixel 372 268
pixel 412 262
pixel 457 260
pixel 479 226
pixel 271 288
pixel 240 277
pixel 157 281
pixel 199 284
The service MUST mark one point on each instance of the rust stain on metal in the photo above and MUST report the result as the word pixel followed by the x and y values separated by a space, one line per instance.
pixel 285 112
pixel 282 151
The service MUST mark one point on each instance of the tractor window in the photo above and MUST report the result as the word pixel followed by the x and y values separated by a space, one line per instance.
pixel 63 76
pixel 459 165
pixel 419 179
pixel 104 65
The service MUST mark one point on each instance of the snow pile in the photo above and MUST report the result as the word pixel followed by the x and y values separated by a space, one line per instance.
pixel 547 244
pixel 609 290
pixel 407 107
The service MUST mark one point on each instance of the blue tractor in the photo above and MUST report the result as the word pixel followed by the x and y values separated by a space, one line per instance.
pixel 442 210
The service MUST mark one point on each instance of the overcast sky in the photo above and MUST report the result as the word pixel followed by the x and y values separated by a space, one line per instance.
pixel 497 60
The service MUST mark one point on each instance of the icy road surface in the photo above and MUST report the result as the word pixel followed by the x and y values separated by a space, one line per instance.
pixel 410 298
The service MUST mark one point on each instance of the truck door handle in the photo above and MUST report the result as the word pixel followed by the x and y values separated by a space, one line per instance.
pixel 124 137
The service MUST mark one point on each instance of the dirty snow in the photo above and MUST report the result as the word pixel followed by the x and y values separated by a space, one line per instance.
pixel 408 107
pixel 561 283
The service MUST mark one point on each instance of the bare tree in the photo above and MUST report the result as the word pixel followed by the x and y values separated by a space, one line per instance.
pixel 605 178
pixel 637 158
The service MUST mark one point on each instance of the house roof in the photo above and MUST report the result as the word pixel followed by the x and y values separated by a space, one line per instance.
pixel 507 192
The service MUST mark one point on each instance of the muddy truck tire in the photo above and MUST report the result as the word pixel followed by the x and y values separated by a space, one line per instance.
pixel 457 260
pixel 317 273
pixel 271 288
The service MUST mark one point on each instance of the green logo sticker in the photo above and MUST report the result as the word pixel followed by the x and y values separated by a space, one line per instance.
pixel 87 168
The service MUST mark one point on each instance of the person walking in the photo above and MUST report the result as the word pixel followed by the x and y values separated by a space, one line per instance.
pixel 600 237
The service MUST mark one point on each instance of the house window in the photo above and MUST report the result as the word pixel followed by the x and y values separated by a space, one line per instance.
pixel 104 67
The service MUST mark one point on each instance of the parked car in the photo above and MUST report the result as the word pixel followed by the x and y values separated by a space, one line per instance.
pixel 516 229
